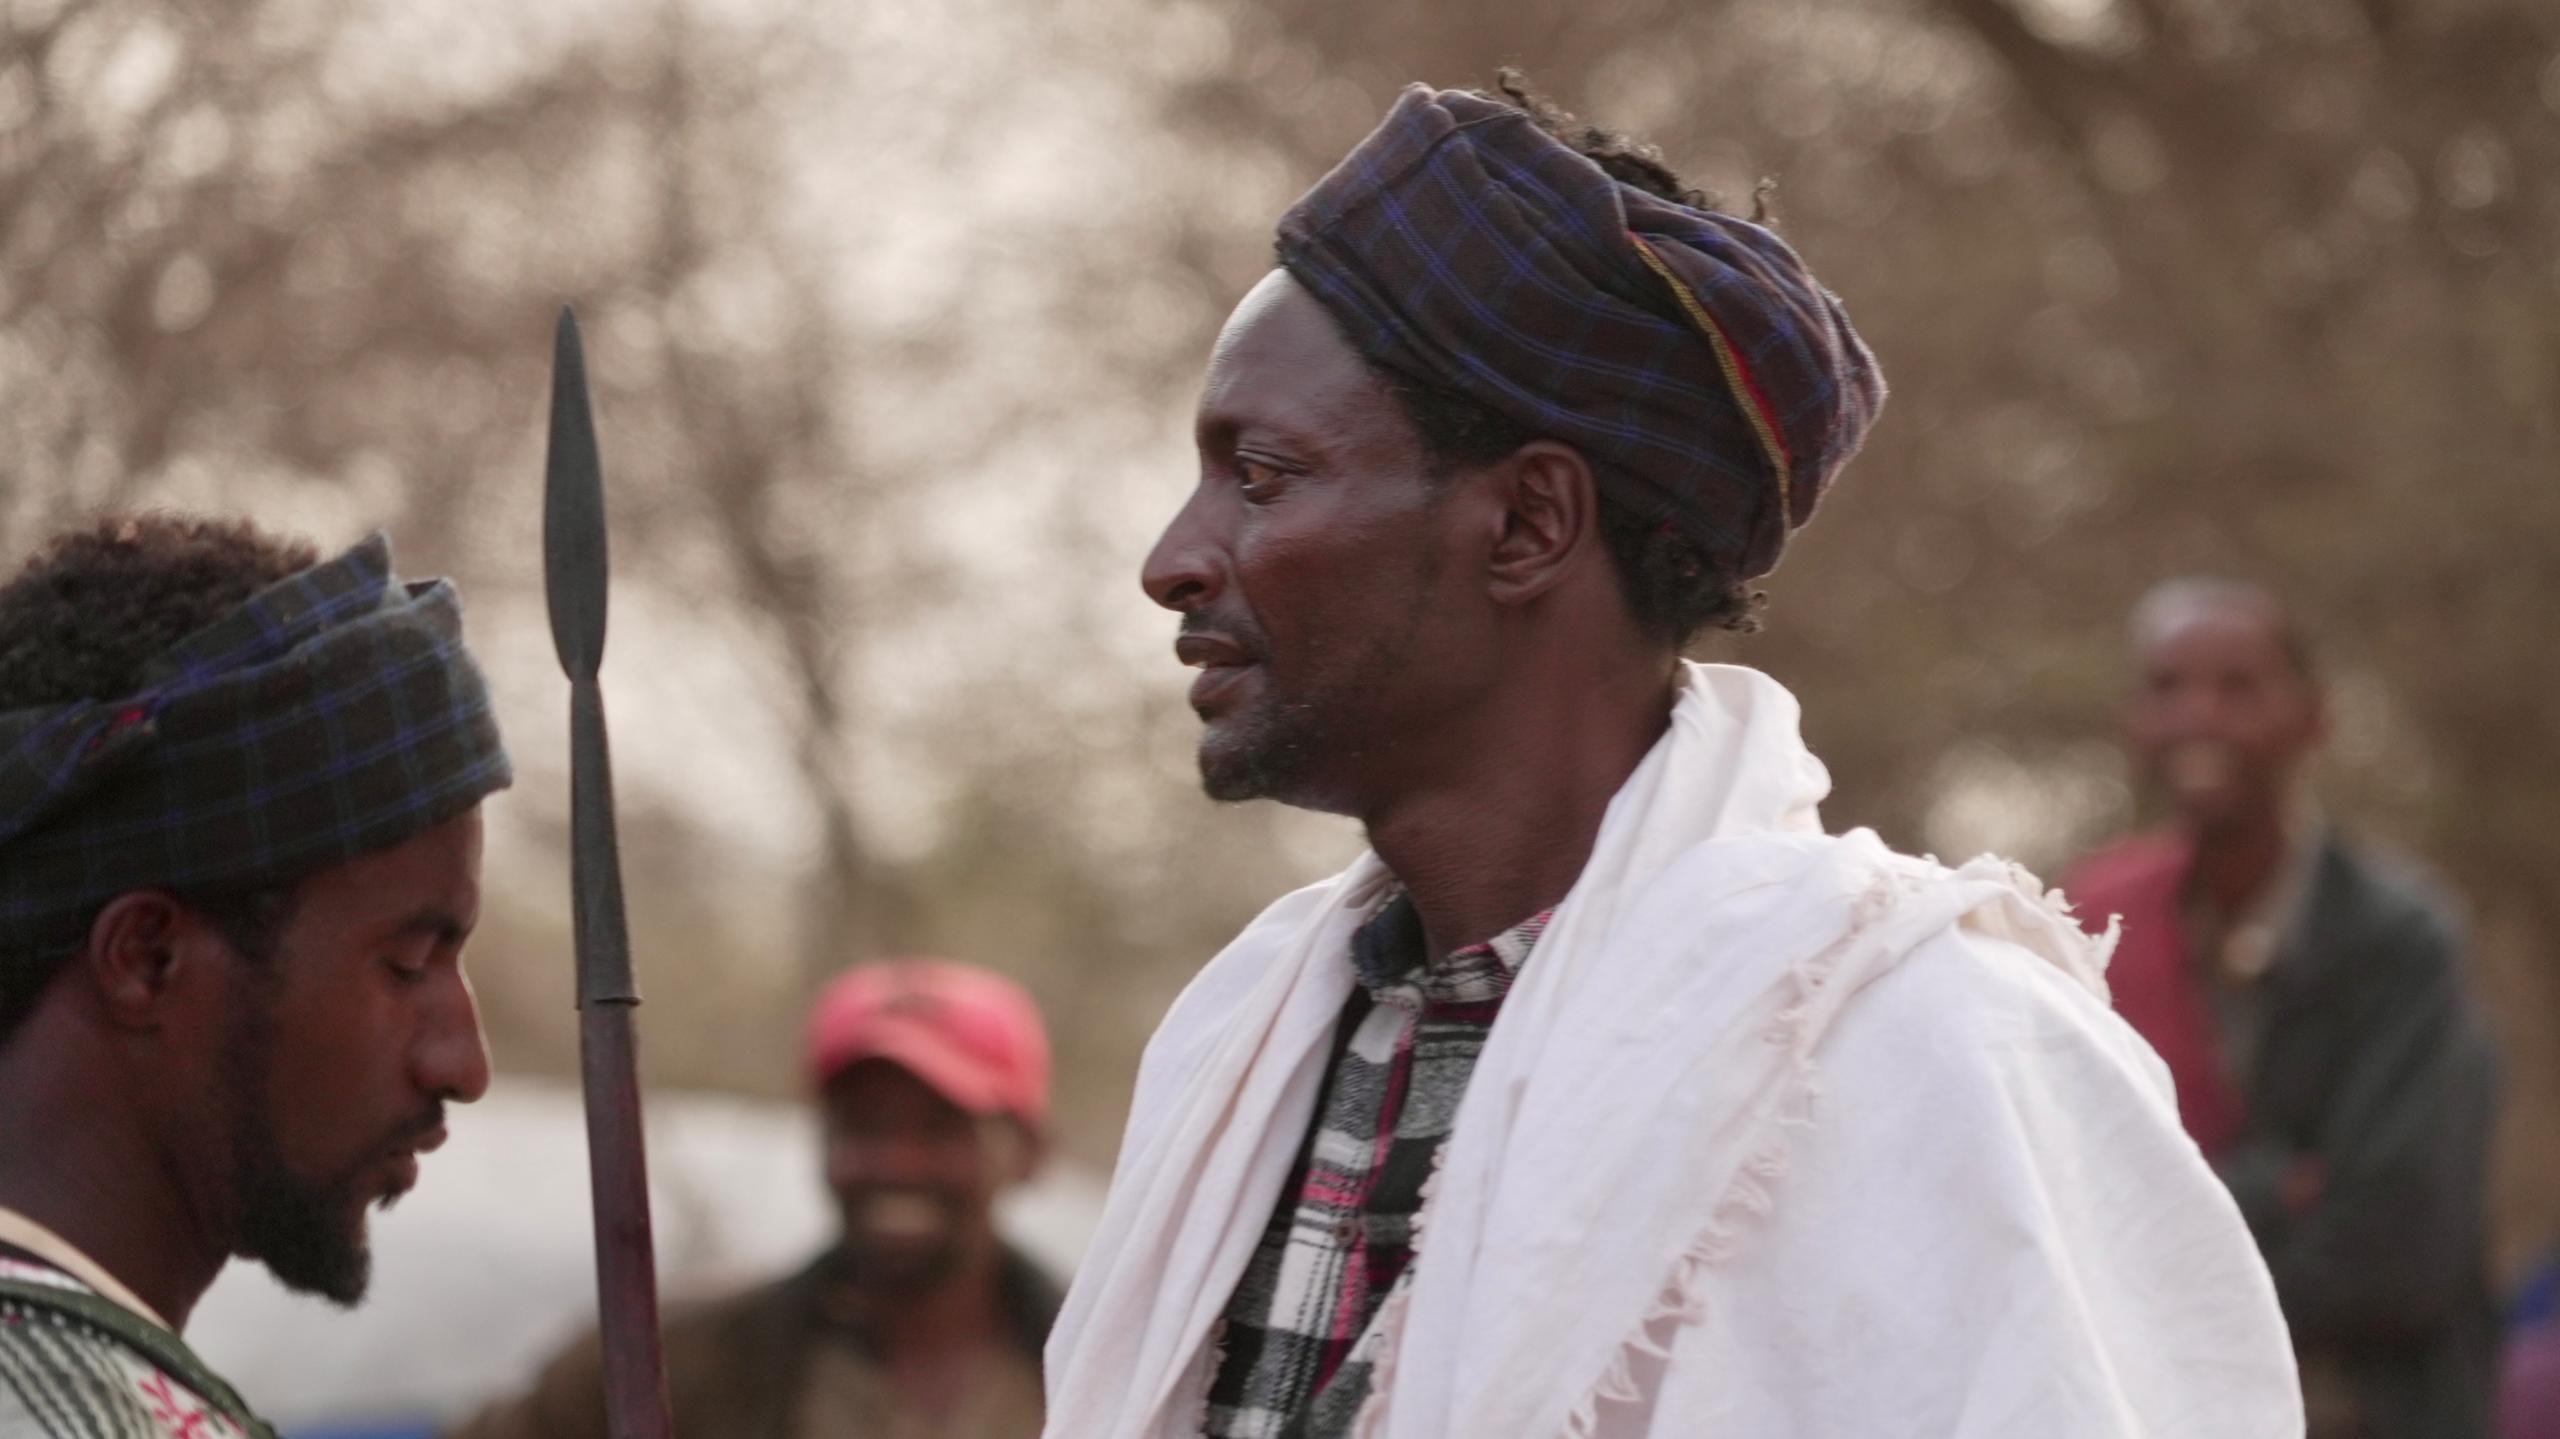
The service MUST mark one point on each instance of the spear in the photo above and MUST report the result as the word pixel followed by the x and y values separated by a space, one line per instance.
pixel 574 567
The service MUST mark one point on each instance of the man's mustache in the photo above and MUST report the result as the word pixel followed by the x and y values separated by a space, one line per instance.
pixel 404 1138
pixel 1237 630
pixel 428 1121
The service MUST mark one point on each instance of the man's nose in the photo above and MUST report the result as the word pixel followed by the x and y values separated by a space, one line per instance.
pixel 452 1059
pixel 1185 570
pixel 2200 711
pixel 892 1159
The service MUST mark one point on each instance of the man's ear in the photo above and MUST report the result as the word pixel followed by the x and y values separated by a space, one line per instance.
pixel 2315 721
pixel 1550 513
pixel 141 947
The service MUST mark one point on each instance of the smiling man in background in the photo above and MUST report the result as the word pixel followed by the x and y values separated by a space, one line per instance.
pixel 2310 1000
pixel 919 1322
pixel 239 856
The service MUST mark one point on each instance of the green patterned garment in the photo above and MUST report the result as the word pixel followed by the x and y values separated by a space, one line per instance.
pixel 77 1365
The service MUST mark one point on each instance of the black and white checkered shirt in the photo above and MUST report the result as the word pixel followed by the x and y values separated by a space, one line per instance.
pixel 1300 1333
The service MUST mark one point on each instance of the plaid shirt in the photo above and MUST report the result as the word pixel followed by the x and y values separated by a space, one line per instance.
pixel 1300 1333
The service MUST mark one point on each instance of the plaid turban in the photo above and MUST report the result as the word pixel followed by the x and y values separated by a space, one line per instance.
pixel 334 714
pixel 1690 355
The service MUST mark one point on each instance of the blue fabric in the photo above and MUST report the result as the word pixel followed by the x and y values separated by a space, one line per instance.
pixel 1464 246
pixel 2537 1303
pixel 335 714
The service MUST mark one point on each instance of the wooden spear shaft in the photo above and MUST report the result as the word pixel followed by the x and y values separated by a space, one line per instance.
pixel 574 573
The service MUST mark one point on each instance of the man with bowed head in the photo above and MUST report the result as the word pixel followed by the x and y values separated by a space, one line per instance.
pixel 240 796
pixel 1606 1094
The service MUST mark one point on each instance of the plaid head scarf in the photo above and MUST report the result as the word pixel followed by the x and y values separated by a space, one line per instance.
pixel 1690 355
pixel 334 714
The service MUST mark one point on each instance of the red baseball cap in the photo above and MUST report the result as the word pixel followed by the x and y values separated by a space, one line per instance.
pixel 972 1034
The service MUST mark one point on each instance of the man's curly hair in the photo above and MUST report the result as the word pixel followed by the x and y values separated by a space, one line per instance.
pixel 85 615
pixel 1675 589
pixel 82 620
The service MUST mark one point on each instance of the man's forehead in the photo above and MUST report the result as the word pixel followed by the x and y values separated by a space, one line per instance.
pixel 1280 348
pixel 434 874
pixel 2214 634
pixel 1277 290
pixel 878 1084
pixel 2203 605
pixel 2217 616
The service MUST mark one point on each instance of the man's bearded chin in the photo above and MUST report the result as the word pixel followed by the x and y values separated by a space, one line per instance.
pixel 1288 745
pixel 310 1236
pixel 1266 753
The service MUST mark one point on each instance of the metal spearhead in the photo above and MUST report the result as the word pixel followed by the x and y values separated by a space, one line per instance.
pixel 573 563
pixel 573 553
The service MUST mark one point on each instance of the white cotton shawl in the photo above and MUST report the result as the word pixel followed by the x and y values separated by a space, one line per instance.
pixel 1627 1129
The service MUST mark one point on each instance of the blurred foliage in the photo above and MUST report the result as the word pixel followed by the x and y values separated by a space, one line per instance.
pixel 895 312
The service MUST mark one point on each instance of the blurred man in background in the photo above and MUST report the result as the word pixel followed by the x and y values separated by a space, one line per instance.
pixel 2309 999
pixel 921 1322
pixel 239 855
pixel 1607 1094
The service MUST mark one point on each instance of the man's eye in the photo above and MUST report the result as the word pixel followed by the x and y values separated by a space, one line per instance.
pixel 1258 480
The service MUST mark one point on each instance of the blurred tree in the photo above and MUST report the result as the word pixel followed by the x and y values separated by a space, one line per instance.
pixel 869 384
pixel 248 242
pixel 895 314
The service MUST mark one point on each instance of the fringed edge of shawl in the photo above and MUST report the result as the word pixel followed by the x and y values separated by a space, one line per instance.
pixel 1371 1421
pixel 1201 1383
pixel 1752 1195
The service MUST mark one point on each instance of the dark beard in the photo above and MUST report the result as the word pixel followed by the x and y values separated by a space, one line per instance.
pixel 868 1272
pixel 895 1270
pixel 1272 758
pixel 1285 747
pixel 311 1236
pixel 1293 750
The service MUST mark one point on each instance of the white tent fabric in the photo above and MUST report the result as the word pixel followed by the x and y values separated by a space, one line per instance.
pixel 488 1266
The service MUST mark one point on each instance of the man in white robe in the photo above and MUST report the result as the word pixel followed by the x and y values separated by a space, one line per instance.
pixel 1606 1095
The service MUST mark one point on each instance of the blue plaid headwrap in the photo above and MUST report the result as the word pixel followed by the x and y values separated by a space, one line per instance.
pixel 334 714
pixel 1690 355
